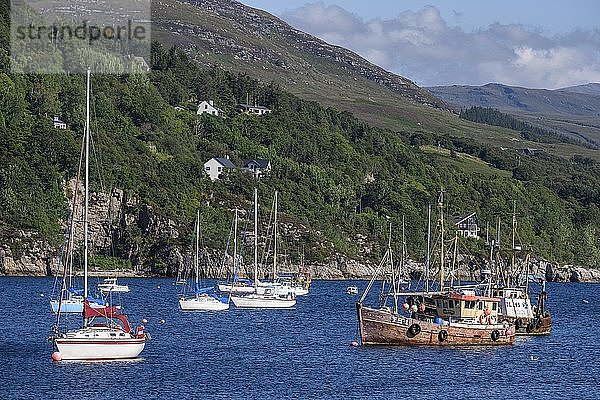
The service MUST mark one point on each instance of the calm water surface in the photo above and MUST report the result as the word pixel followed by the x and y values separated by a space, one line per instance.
pixel 292 354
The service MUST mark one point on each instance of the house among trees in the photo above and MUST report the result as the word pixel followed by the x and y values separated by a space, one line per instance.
pixel 58 124
pixel 253 110
pixel 529 151
pixel 257 167
pixel 208 107
pixel 216 166
pixel 467 225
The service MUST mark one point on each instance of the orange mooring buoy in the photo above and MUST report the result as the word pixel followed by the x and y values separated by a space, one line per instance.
pixel 56 356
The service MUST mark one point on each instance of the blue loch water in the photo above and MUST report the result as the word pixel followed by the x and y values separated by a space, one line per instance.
pixel 303 353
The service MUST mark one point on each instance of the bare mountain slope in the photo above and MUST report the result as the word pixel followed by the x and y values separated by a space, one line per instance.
pixel 239 38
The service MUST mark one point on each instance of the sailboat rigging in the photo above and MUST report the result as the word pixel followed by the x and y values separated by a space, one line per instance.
pixel 204 298
pixel 265 295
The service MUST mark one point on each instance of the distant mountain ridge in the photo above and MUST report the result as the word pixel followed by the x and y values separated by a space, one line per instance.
pixel 571 111
pixel 570 101
pixel 589 88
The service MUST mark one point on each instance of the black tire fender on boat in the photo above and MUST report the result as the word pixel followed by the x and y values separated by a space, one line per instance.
pixel 443 335
pixel 495 335
pixel 414 329
pixel 530 327
pixel 518 324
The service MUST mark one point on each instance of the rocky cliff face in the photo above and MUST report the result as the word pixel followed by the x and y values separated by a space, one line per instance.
pixel 24 254
pixel 125 228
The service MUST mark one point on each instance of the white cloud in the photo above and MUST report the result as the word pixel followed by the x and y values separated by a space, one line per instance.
pixel 423 47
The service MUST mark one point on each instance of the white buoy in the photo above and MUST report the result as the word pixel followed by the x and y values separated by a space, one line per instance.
pixel 354 344
pixel 585 301
pixel 42 294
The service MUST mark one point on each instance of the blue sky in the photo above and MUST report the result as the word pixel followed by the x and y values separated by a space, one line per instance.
pixel 530 43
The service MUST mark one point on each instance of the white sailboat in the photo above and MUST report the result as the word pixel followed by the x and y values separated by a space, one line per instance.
pixel 265 296
pixel 204 299
pixel 111 285
pixel 109 340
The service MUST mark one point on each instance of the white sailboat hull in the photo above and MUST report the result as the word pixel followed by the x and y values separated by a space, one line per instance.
pixel 258 301
pixel 114 288
pixel 300 291
pixel 202 303
pixel 99 344
pixel 235 289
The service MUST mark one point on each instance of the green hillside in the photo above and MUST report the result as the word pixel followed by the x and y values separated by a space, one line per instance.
pixel 338 176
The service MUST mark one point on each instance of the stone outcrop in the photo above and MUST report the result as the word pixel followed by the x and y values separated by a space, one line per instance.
pixel 23 254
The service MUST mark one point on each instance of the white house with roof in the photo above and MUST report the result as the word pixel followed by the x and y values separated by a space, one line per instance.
pixel 58 124
pixel 467 225
pixel 216 166
pixel 253 110
pixel 257 167
pixel 208 107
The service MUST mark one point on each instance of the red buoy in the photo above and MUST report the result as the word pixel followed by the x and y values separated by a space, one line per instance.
pixel 354 344
pixel 56 356
pixel 144 321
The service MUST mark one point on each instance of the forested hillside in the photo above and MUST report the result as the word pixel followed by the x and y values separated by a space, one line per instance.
pixel 338 177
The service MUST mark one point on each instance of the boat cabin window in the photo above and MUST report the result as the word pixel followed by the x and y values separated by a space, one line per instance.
pixel 451 303
pixel 470 304
pixel 494 306
pixel 121 334
pixel 481 305
pixel 113 334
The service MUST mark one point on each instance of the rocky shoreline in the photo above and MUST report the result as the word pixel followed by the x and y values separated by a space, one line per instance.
pixel 33 257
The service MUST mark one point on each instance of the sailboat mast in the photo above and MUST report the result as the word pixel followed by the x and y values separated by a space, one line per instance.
pixel 428 248
pixel 255 236
pixel 86 194
pixel 514 229
pixel 197 247
pixel 235 228
pixel 391 260
pixel 275 238
pixel 441 212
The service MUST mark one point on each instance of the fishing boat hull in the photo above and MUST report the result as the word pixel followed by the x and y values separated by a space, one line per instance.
pixel 257 301
pixel 534 327
pixel 89 344
pixel 202 303
pixel 382 327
